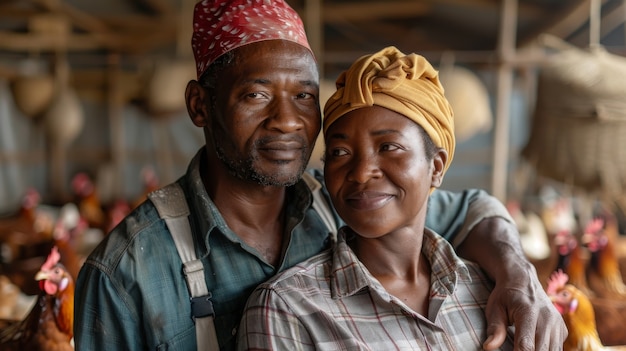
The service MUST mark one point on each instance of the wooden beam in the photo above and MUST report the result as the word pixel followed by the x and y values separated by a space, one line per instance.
pixel 375 10
pixel 610 22
pixel 570 21
pixel 136 23
pixel 79 18
pixel 161 7
pixel 16 13
pixel 123 42
pixel 37 42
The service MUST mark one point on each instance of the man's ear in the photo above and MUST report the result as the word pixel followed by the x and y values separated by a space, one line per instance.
pixel 197 100
pixel 439 162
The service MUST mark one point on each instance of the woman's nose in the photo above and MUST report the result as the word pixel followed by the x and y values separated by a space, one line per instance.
pixel 363 168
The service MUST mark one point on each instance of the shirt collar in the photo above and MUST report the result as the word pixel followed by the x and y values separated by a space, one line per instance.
pixel 350 276
pixel 208 218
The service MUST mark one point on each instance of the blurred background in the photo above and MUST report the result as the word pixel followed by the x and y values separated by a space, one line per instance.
pixel 92 111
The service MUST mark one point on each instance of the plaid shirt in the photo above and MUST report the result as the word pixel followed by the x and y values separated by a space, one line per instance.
pixel 332 302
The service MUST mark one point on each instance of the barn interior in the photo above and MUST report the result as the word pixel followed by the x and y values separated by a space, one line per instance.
pixel 92 93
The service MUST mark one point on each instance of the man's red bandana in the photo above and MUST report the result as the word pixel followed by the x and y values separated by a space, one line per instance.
pixel 220 26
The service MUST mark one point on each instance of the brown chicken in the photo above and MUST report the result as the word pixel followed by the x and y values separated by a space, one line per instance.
pixel 604 275
pixel 29 226
pixel 150 182
pixel 68 233
pixel 49 325
pixel 572 259
pixel 116 213
pixel 14 304
pixel 88 201
pixel 578 314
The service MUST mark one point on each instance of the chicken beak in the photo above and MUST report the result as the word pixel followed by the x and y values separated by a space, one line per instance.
pixel 41 275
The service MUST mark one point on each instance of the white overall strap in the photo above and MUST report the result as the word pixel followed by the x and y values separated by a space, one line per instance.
pixel 172 206
pixel 320 204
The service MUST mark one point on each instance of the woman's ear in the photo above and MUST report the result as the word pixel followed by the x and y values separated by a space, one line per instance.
pixel 439 162
pixel 197 100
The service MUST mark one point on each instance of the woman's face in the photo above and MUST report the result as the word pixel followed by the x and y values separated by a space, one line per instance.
pixel 377 171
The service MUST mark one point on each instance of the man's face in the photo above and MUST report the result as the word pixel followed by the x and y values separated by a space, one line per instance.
pixel 265 112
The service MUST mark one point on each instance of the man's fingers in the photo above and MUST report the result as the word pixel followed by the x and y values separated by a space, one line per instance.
pixel 526 337
pixel 496 332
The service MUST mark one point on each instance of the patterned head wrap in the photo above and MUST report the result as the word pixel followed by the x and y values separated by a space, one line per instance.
pixel 406 84
pixel 220 26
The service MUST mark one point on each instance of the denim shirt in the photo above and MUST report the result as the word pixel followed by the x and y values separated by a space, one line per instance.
pixel 131 293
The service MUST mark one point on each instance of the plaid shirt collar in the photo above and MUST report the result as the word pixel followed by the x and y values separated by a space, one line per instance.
pixel 349 275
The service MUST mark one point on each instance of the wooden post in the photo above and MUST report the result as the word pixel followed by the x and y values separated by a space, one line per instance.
pixel 315 31
pixel 116 124
pixel 506 53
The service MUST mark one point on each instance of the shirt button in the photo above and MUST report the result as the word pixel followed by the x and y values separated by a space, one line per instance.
pixel 234 331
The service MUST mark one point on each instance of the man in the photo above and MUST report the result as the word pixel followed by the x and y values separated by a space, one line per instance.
pixel 250 213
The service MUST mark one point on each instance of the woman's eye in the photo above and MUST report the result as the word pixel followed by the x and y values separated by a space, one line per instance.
pixel 338 152
pixel 254 95
pixel 389 147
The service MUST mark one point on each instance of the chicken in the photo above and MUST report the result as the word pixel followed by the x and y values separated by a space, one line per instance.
pixel 116 213
pixel 533 234
pixel 150 182
pixel 14 304
pixel 26 239
pixel 74 238
pixel 572 259
pixel 604 275
pixel 49 325
pixel 578 315
pixel 27 227
pixel 88 201
pixel 558 215
pixel 568 254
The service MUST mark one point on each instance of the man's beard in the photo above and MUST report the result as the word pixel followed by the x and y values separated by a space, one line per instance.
pixel 242 167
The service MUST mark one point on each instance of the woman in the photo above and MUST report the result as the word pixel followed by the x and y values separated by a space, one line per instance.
pixel 389 283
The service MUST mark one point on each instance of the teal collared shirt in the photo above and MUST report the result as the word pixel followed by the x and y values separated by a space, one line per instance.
pixel 131 293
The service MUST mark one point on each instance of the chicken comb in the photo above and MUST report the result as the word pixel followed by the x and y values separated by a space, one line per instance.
pixel 557 280
pixel 53 258
pixel 594 226
pixel 31 198
pixel 81 183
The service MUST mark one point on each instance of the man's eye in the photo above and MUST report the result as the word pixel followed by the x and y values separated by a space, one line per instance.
pixel 305 96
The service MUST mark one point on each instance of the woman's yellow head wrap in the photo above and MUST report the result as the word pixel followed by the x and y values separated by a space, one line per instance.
pixel 406 84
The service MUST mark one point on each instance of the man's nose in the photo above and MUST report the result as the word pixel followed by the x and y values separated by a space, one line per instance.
pixel 284 115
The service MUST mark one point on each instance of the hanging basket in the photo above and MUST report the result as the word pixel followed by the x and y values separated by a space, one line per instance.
pixel 469 99
pixel 33 94
pixel 166 88
pixel 578 133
